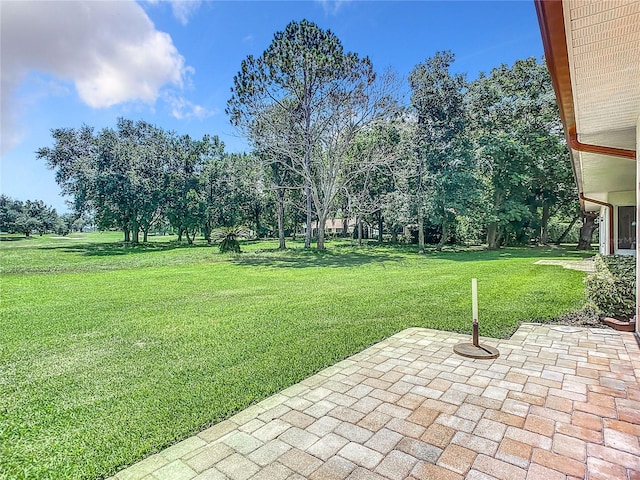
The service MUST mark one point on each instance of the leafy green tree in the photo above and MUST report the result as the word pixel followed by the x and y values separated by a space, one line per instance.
pixel 319 94
pixel 520 151
pixel 444 175
pixel 185 184
pixel 371 160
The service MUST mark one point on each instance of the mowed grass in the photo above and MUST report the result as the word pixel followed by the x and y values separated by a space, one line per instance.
pixel 109 352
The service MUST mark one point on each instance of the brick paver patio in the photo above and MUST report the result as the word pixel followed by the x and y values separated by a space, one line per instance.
pixel 559 403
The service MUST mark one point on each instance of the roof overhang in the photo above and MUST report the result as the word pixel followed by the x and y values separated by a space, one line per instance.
pixel 592 51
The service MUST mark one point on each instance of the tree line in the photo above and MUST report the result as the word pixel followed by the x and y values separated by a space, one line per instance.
pixel 482 160
pixel 31 216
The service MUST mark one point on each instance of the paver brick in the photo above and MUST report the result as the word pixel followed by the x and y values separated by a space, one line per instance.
pixel 237 467
pixel 374 421
pixel 300 462
pixel 273 471
pixel 438 435
pixel 490 429
pixel 514 452
pixel 384 440
pixel 602 470
pixel 420 450
pixel 540 425
pixel 299 438
pixel 570 447
pixel 396 465
pixel 323 425
pixel 475 443
pixel 176 470
pixel 429 471
pixel 209 456
pixel 579 432
pixel 612 455
pixel 423 416
pixel 336 468
pixel 298 419
pixel 457 458
pixel 269 452
pixel 504 418
pixel 213 474
pixel 327 446
pixel 353 433
pixel 243 442
pixel 361 455
pixel 538 472
pixel 557 462
pixel 498 468
pixel 404 427
pixel 364 474
pixel 530 438
pixel 271 430
pixel 346 414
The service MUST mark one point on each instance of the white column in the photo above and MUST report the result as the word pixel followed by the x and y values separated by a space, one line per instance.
pixel 638 225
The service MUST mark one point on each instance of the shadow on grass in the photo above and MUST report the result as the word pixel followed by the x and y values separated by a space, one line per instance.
pixel 312 258
pixel 120 248
pixel 6 238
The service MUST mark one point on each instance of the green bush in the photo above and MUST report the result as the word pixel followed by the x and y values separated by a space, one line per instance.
pixel 612 288
pixel 228 238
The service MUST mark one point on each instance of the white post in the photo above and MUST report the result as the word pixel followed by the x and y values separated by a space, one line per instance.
pixel 474 298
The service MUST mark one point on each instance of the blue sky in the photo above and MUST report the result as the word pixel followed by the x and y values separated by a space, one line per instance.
pixel 172 63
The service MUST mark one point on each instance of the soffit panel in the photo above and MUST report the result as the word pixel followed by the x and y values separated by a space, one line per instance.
pixel 604 55
pixel 601 173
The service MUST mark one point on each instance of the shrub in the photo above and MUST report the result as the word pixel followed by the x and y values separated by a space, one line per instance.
pixel 228 238
pixel 612 287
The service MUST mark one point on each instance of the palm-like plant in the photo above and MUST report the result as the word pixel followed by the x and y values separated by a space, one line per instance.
pixel 228 238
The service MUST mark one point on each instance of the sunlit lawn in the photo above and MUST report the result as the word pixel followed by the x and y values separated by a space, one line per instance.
pixel 110 352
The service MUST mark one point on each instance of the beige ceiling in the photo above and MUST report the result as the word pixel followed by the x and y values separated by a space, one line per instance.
pixel 603 43
pixel 604 56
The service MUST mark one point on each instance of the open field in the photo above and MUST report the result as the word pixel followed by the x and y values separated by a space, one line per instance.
pixel 110 352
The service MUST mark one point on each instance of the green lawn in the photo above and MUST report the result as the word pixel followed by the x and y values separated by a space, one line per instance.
pixel 109 353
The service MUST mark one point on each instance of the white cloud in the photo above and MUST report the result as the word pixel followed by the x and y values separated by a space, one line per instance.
pixel 110 51
pixel 331 7
pixel 182 108
pixel 182 9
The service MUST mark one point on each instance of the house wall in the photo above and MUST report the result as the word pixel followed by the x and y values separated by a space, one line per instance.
pixel 617 199
pixel 638 225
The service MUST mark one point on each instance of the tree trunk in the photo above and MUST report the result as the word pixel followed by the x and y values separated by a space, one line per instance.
pixel 420 232
pixel 492 236
pixel 189 239
pixel 586 231
pixel 567 230
pixel 307 235
pixel 320 240
pixel 281 241
pixel 257 221
pixel 135 231
pixel 544 224
pixel 445 235
pixel 394 234
pixel 145 235
pixel 307 164
pixel 359 230
pixel 127 235
pixel 180 230
pixel 345 227
pixel 380 226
